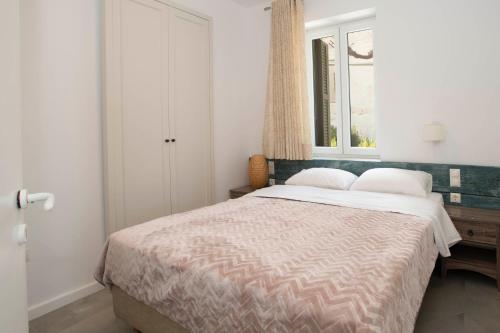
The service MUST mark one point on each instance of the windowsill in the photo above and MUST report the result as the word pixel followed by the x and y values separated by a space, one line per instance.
pixel 358 158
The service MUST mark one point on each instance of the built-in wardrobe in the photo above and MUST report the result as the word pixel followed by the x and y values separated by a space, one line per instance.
pixel 157 111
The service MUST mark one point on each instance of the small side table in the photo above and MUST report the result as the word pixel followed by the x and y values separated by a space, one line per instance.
pixel 479 250
pixel 239 192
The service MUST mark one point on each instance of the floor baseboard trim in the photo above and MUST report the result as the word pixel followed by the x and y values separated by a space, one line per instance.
pixel 38 310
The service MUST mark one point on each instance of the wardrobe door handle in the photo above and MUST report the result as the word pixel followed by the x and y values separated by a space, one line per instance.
pixel 167 140
pixel 173 140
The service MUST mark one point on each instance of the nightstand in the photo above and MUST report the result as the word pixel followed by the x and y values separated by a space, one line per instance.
pixel 239 192
pixel 479 250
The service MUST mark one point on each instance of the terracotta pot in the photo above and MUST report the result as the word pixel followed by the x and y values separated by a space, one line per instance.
pixel 258 171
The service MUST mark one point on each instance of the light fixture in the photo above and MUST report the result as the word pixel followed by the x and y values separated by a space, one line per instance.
pixel 433 132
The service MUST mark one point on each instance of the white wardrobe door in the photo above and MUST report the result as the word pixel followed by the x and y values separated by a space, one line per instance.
pixel 190 111
pixel 144 66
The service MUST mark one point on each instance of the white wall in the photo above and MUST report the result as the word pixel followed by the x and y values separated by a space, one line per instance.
pixel 62 129
pixel 241 40
pixel 449 72
pixel 435 61
pixel 62 144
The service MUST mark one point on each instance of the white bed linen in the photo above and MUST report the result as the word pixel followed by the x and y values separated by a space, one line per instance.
pixel 437 198
pixel 445 233
pixel 335 179
pixel 395 181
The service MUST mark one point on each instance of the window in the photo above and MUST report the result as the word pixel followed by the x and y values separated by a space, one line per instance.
pixel 341 67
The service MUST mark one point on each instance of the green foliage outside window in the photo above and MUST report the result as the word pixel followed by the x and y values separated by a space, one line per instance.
pixel 333 136
pixel 358 140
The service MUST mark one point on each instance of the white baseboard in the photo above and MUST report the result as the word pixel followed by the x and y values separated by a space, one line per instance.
pixel 55 303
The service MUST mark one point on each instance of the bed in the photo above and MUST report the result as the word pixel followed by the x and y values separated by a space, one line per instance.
pixel 281 259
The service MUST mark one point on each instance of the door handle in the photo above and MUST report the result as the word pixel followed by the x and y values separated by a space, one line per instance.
pixel 24 198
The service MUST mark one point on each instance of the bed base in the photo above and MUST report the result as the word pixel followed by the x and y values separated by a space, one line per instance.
pixel 140 316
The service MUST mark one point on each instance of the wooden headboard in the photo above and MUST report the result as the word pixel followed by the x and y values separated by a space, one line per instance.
pixel 480 185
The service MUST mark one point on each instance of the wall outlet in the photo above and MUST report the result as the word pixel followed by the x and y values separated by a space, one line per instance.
pixel 272 181
pixel 271 167
pixel 455 180
pixel 455 198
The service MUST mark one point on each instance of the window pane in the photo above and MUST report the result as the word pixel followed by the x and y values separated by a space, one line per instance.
pixel 360 52
pixel 325 106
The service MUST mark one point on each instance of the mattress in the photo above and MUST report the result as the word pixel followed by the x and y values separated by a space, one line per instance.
pixel 260 264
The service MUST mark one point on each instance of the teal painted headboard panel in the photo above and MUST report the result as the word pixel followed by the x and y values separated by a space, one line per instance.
pixel 480 185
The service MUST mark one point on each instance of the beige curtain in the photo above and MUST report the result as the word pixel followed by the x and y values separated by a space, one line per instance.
pixel 286 127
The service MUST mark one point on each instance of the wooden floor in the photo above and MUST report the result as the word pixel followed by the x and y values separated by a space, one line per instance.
pixel 464 302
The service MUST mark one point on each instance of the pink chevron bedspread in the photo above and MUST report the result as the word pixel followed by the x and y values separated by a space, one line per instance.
pixel 273 265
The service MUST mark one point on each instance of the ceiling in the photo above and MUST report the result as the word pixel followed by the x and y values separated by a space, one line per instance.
pixel 251 3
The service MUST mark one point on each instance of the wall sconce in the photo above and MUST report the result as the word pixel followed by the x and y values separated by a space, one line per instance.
pixel 433 132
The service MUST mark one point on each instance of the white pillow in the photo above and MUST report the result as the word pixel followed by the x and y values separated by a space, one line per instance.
pixel 323 177
pixel 398 181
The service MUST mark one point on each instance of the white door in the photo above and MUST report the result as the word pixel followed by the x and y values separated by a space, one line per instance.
pixel 137 112
pixel 158 111
pixel 13 308
pixel 190 113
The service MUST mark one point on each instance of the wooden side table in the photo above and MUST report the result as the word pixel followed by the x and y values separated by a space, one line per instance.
pixel 479 250
pixel 241 191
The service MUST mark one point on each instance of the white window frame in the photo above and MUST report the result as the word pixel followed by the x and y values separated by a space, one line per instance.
pixel 339 31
